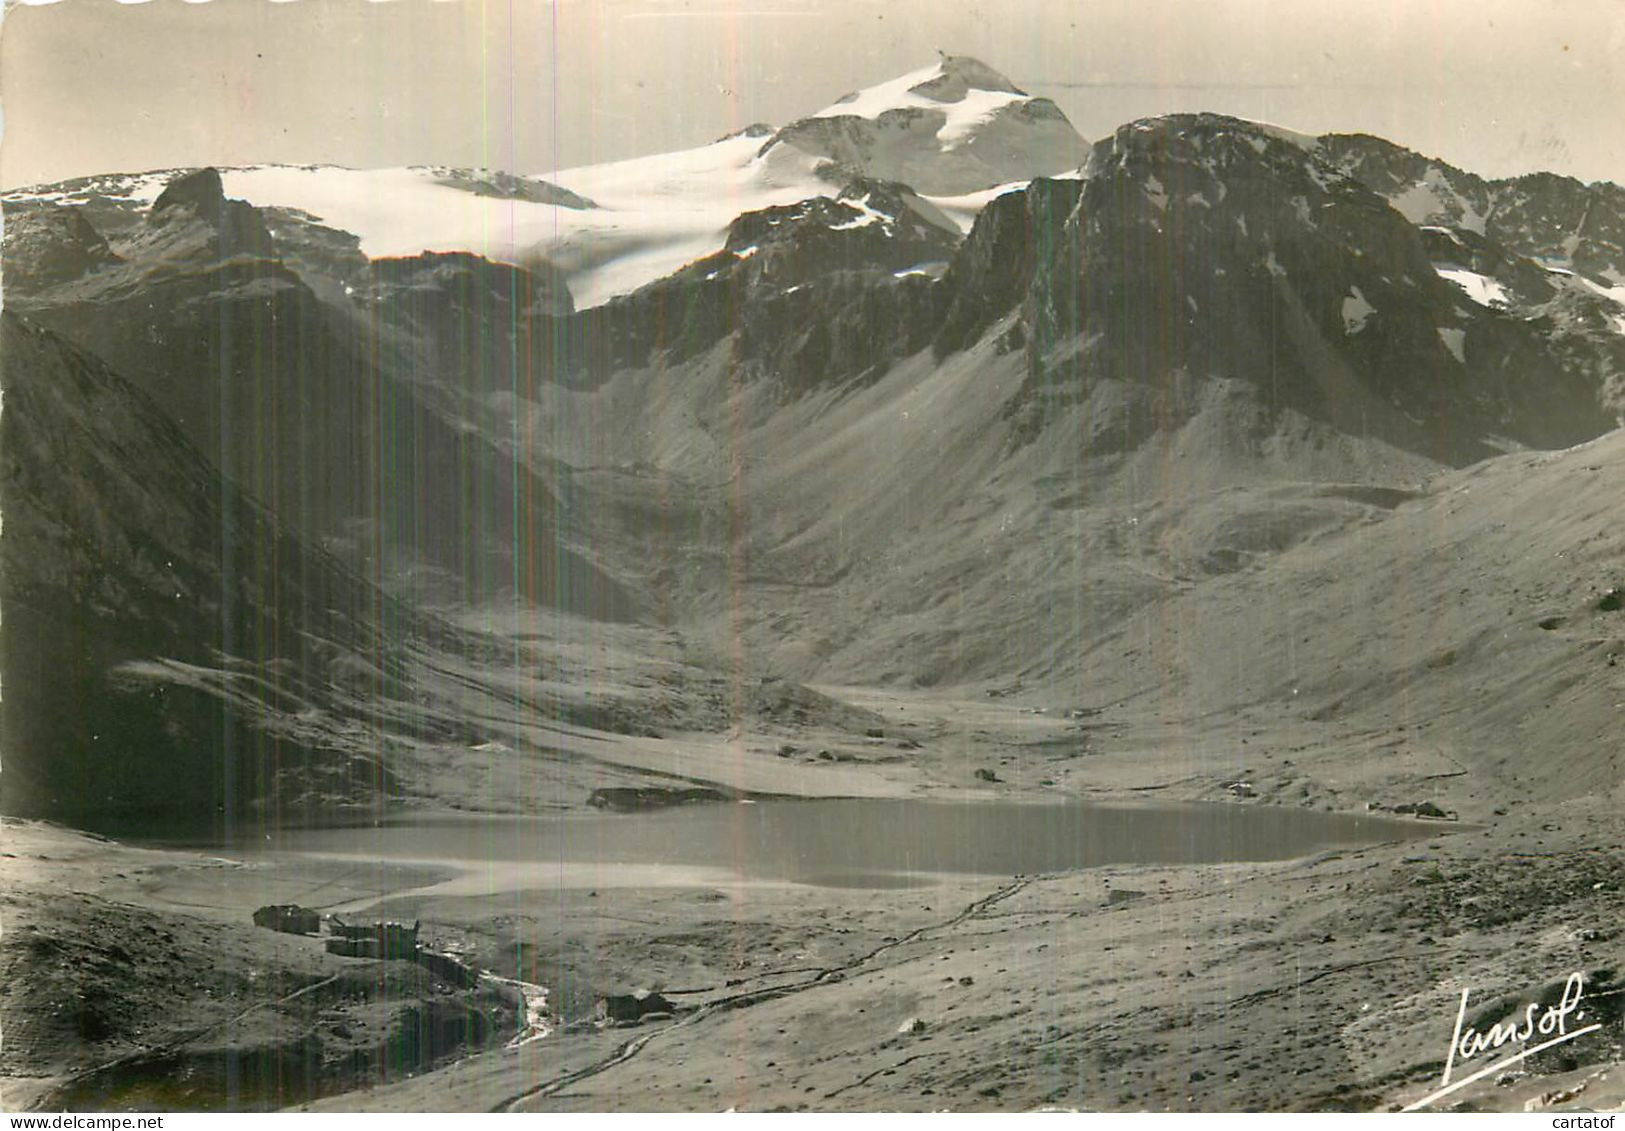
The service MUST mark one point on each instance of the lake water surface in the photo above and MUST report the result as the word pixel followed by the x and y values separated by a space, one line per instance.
pixel 843 843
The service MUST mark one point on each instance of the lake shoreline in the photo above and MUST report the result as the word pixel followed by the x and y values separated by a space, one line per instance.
pixel 1064 991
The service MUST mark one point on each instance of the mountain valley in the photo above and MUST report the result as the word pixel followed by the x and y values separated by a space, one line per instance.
pixel 916 450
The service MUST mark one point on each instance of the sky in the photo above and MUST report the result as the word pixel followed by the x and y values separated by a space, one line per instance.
pixel 91 86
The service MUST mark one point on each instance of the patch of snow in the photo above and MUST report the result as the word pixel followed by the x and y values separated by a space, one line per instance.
pixel 1154 193
pixel 144 188
pixel 1431 198
pixel 747 252
pixel 963 210
pixel 1273 266
pixel 1453 341
pixel 1505 444
pixel 1613 294
pixel 1291 137
pixel 1323 177
pixel 17 196
pixel 1356 311
pixel 869 216
pixel 1480 288
pixel 1444 231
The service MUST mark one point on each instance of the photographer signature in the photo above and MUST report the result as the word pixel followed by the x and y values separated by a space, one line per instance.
pixel 1549 1021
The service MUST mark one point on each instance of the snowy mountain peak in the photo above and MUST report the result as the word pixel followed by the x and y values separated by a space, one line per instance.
pixel 953 128
pixel 966 89
pixel 973 73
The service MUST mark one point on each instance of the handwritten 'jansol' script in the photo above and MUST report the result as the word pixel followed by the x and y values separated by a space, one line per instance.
pixel 1547 1020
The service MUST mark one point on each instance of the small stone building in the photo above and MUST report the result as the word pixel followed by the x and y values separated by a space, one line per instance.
pixel 373 940
pixel 288 918
pixel 632 1007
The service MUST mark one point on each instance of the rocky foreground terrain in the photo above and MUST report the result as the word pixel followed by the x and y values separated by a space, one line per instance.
pixel 918 448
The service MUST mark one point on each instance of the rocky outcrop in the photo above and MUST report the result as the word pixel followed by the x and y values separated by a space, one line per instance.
pixel 462 330
pixel 440 287
pixel 47 244
pixel 869 225
pixel 817 293
pixel 194 216
pixel 1001 259
pixel 505 186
